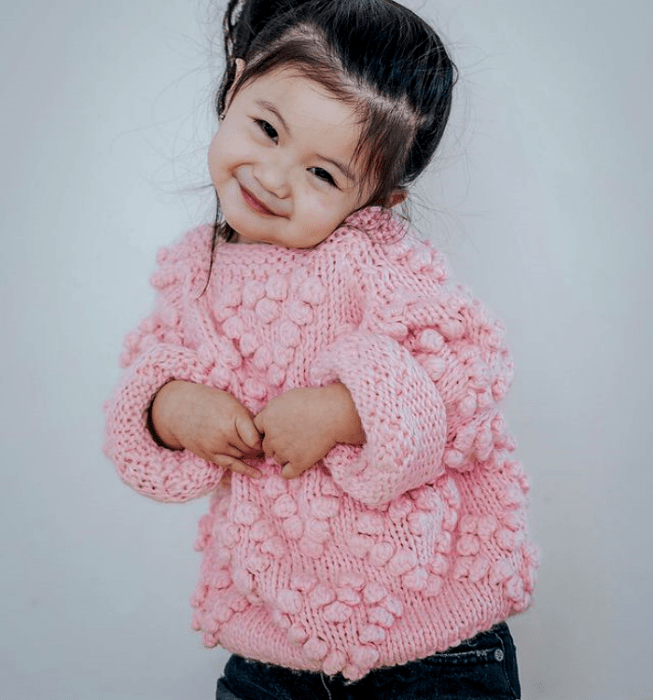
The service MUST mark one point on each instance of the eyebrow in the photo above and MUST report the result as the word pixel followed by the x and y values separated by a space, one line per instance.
pixel 344 169
pixel 264 104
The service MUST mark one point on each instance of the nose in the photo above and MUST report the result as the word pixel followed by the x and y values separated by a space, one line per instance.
pixel 273 176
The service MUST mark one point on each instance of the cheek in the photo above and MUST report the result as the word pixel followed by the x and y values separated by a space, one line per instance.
pixel 329 212
pixel 224 153
pixel 315 209
pixel 320 219
pixel 215 159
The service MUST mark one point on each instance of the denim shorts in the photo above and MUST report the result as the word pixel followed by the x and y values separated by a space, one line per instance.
pixel 482 667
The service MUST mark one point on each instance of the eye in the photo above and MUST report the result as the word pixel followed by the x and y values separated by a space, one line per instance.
pixel 268 129
pixel 322 174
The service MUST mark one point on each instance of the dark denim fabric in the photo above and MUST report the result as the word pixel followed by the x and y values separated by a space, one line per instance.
pixel 482 667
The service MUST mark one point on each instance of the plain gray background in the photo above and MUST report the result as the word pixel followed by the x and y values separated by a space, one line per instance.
pixel 541 198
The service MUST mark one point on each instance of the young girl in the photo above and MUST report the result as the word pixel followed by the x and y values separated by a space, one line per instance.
pixel 309 366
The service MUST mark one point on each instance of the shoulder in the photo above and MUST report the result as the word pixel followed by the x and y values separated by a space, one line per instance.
pixel 411 283
pixel 186 260
pixel 382 239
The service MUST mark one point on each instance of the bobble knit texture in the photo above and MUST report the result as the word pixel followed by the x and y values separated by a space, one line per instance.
pixel 380 554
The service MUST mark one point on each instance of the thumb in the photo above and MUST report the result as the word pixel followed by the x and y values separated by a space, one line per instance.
pixel 248 433
pixel 259 422
pixel 291 470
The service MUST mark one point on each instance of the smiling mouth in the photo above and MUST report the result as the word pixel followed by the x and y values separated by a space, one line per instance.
pixel 254 203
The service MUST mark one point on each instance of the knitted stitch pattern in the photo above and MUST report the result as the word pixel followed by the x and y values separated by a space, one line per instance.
pixel 380 554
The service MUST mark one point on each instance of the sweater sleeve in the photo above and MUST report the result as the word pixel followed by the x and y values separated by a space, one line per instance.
pixel 426 369
pixel 162 348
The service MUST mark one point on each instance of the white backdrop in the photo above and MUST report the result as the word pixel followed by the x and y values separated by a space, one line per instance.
pixel 542 200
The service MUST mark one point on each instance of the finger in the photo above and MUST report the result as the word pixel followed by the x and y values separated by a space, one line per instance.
pixel 235 443
pixel 252 454
pixel 232 451
pixel 236 465
pixel 276 456
pixel 248 432
pixel 268 449
pixel 236 449
pixel 291 470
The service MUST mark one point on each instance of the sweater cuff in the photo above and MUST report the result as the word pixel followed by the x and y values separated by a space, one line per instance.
pixel 401 412
pixel 153 470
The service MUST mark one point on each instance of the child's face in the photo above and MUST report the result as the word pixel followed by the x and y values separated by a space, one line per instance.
pixel 282 162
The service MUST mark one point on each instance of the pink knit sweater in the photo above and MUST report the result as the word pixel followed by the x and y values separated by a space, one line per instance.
pixel 380 554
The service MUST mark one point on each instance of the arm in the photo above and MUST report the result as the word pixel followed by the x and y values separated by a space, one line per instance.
pixel 165 347
pixel 401 412
pixel 426 368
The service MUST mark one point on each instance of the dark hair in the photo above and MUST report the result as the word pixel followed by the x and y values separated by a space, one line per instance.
pixel 374 54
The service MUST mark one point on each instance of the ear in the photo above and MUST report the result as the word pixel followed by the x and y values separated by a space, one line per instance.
pixel 396 197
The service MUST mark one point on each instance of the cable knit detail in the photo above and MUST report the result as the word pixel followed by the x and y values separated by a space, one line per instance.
pixel 379 554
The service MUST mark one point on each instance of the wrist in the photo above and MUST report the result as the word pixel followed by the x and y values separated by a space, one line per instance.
pixel 348 428
pixel 160 415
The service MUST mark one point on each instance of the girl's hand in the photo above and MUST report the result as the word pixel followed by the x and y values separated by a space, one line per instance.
pixel 209 422
pixel 301 427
